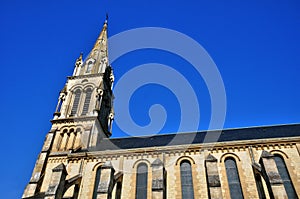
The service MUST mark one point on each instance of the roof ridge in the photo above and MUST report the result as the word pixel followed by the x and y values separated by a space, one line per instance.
pixel 205 131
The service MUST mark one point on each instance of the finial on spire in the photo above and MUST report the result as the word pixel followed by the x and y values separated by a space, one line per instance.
pixel 106 18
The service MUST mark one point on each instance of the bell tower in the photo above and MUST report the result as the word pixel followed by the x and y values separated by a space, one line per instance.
pixel 86 101
pixel 84 112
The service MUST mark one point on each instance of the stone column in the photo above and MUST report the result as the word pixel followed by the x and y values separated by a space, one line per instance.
pixel 57 183
pixel 272 177
pixel 158 180
pixel 213 179
pixel 105 186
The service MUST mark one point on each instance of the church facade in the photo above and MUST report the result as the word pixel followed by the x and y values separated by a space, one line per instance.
pixel 80 160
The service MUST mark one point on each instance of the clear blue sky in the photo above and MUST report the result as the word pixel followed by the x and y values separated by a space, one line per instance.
pixel 255 45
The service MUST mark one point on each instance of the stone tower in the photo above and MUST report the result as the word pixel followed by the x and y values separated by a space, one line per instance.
pixel 83 115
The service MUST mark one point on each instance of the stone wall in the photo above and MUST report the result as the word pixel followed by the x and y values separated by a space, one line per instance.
pixel 205 173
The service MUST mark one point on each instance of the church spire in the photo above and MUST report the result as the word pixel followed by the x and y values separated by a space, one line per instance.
pixel 97 59
pixel 100 46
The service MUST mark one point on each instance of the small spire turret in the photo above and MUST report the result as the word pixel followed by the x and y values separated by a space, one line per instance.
pixel 78 64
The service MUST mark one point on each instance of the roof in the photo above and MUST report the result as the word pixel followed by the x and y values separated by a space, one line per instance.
pixel 238 134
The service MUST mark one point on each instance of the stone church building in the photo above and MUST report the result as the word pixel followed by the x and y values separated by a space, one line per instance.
pixel 80 160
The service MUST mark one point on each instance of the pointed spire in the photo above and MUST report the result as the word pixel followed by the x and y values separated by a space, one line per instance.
pixel 79 60
pixel 100 47
pixel 80 56
pixel 97 59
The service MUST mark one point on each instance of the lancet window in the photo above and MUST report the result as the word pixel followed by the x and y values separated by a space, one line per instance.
pixel 87 101
pixel 97 182
pixel 141 181
pixel 284 174
pixel 233 179
pixel 76 102
pixel 186 178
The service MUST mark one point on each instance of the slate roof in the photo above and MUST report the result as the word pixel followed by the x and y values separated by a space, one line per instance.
pixel 238 134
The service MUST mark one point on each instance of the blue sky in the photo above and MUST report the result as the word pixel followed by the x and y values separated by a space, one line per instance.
pixel 255 45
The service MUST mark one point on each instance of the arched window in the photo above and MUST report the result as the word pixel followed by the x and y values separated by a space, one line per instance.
pixel 61 143
pixel 76 102
pixel 233 179
pixel 141 181
pixel 87 101
pixel 71 139
pixel 90 65
pixel 186 178
pixel 59 105
pixel 97 182
pixel 59 139
pixel 284 174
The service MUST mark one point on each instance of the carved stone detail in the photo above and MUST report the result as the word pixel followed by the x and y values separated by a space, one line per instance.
pixel 157 184
pixel 274 178
pixel 214 181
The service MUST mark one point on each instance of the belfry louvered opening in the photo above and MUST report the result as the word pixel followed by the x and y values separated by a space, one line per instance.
pixel 76 102
pixel 87 101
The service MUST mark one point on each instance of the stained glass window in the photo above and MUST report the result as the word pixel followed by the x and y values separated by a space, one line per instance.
pixel 141 181
pixel 233 179
pixel 186 178
pixel 283 172
pixel 97 182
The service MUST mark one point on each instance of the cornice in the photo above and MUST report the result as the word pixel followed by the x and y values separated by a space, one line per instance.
pixel 222 147
pixel 73 119
pixel 85 76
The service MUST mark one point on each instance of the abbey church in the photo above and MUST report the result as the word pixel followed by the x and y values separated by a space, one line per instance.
pixel 80 160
